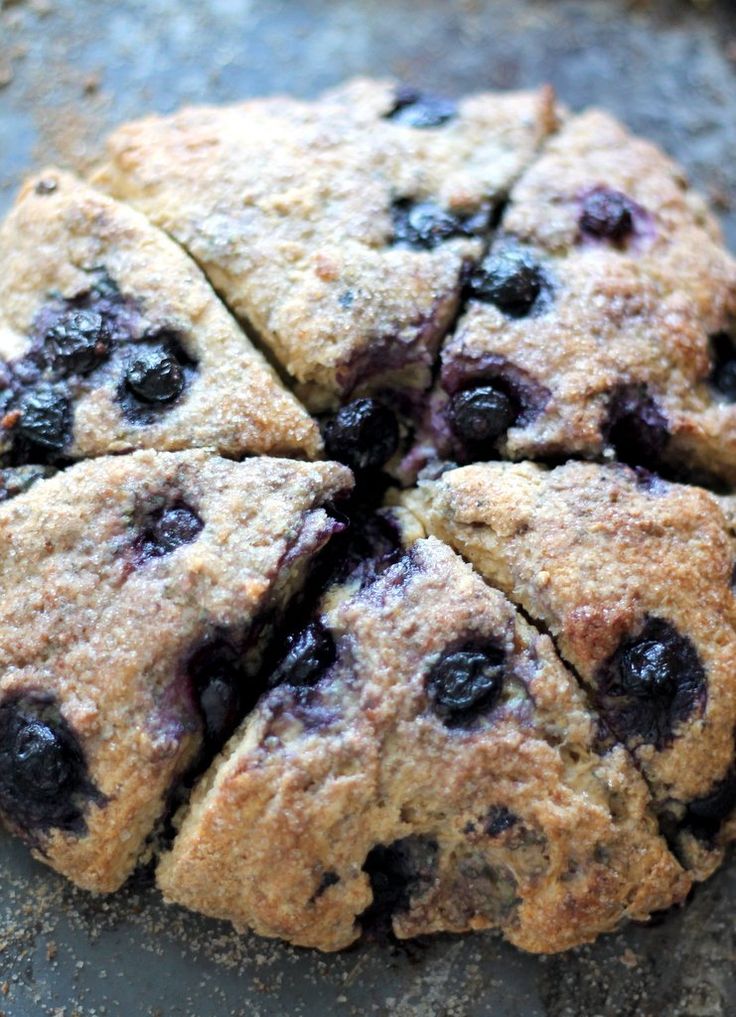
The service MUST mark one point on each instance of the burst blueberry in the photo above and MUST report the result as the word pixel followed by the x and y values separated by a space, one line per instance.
pixel 78 342
pixel 217 682
pixel 636 428
pixel 363 435
pixel 723 370
pixel 467 682
pixel 309 653
pixel 165 531
pixel 45 418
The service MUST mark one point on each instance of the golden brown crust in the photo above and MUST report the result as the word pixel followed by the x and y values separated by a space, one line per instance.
pixel 593 552
pixel 108 637
pixel 59 239
pixel 287 207
pixel 278 834
pixel 634 316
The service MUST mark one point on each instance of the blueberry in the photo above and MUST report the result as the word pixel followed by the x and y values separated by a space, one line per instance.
pixel 499 820
pixel 309 653
pixel 217 681
pixel 511 279
pixel 723 370
pixel 704 815
pixel 78 342
pixel 154 375
pixel 479 416
pixel 417 109
pixel 166 530
pixel 607 215
pixel 42 769
pixel 46 418
pixel 425 225
pixel 397 872
pixel 653 682
pixel 363 434
pixel 466 682
pixel 636 428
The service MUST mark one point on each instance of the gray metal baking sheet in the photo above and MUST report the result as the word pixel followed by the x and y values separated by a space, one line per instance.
pixel 69 70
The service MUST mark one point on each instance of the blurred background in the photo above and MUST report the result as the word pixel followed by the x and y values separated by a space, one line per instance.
pixel 71 69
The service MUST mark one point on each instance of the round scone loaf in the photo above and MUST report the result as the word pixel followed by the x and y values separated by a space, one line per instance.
pixel 477 668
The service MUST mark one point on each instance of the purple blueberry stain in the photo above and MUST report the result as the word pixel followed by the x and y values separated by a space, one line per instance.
pixel 653 683
pixel 165 530
pixel 44 780
pixel 421 110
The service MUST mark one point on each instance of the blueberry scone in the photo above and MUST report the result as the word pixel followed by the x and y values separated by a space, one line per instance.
pixel 135 592
pixel 422 758
pixel 112 340
pixel 600 322
pixel 633 578
pixel 341 230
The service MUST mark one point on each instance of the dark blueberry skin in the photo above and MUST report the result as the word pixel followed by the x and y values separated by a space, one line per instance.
pixel 704 815
pixel 218 684
pixel 417 109
pixel 480 416
pixel 363 434
pixel 78 342
pixel 652 683
pixel 511 279
pixel 166 530
pixel 397 872
pixel 636 428
pixel 309 654
pixel 499 820
pixel 467 682
pixel 723 371
pixel 155 375
pixel 607 215
pixel 424 225
pixel 45 418
pixel 43 775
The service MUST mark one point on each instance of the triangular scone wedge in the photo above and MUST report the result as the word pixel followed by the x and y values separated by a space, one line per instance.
pixel 340 229
pixel 632 576
pixel 424 763
pixel 132 596
pixel 113 340
pixel 600 324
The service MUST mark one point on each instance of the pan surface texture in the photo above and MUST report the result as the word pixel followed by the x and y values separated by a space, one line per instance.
pixel 72 69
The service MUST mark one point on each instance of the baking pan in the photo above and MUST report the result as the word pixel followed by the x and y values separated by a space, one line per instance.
pixel 71 69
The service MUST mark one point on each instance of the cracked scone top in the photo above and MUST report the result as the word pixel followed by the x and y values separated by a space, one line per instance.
pixel 433 766
pixel 632 576
pixel 132 587
pixel 598 323
pixel 339 229
pixel 548 757
pixel 112 340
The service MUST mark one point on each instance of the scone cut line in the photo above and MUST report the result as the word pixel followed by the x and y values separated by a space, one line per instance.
pixel 346 441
